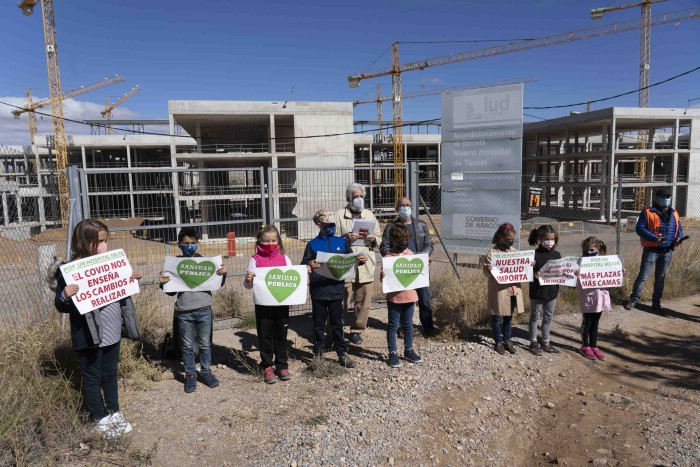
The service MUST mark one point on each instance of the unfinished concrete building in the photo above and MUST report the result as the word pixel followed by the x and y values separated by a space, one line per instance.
pixel 577 160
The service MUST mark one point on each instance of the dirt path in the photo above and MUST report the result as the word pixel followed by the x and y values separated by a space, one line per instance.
pixel 463 405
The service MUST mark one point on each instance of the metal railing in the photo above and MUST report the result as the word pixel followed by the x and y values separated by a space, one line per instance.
pixel 236 148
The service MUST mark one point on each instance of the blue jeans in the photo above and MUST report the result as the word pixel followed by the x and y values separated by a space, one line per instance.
pixel 400 314
pixel 652 257
pixel 195 327
pixel 425 311
pixel 501 327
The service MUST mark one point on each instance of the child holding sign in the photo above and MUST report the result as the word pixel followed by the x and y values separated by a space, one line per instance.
pixel 543 298
pixel 327 294
pixel 271 321
pixel 400 304
pixel 194 318
pixel 96 335
pixel 504 300
pixel 593 302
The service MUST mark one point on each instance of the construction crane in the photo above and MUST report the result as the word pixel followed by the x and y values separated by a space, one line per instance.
pixel 59 131
pixel 397 69
pixel 640 166
pixel 32 106
pixel 107 112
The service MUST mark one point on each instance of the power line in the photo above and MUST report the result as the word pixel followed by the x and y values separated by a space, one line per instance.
pixel 467 41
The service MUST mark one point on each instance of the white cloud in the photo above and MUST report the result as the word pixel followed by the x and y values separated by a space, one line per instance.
pixel 16 131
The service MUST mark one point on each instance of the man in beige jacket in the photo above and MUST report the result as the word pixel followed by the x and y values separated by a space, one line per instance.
pixel 362 284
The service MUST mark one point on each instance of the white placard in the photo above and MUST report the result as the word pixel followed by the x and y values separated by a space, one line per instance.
pixel 513 267
pixel 601 272
pixel 192 274
pixel 560 272
pixel 101 280
pixel 363 228
pixel 281 285
pixel 337 266
pixel 405 273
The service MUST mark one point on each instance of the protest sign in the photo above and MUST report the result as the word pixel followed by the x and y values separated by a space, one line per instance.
pixel 336 266
pixel 601 272
pixel 363 228
pixel 283 285
pixel 192 274
pixel 101 280
pixel 405 273
pixel 560 272
pixel 512 267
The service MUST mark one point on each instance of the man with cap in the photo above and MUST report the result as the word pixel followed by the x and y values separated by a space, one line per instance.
pixel 660 232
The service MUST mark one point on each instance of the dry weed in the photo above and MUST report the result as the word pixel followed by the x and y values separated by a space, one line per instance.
pixel 228 303
pixel 459 302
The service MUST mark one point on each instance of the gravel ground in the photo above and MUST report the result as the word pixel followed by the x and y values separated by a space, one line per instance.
pixel 463 405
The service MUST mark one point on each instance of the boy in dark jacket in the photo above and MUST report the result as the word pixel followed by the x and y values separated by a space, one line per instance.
pixel 327 294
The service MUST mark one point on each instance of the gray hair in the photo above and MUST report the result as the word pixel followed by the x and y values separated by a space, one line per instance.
pixel 351 187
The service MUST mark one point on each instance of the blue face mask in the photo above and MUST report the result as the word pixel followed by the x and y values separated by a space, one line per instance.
pixel 590 253
pixel 664 202
pixel 188 250
pixel 405 212
pixel 329 230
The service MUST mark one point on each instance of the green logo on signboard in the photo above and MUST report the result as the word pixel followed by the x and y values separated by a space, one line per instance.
pixel 406 271
pixel 194 273
pixel 282 284
pixel 339 265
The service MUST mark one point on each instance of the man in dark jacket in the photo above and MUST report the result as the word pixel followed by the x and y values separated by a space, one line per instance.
pixel 420 243
pixel 660 232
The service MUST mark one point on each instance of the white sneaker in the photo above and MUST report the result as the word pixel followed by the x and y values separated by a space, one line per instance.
pixel 104 425
pixel 120 424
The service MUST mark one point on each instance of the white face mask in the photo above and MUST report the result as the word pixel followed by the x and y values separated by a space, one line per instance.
pixel 548 244
pixel 358 204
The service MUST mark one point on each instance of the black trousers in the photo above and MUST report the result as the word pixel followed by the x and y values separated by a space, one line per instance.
pixel 321 311
pixel 99 369
pixel 589 329
pixel 272 323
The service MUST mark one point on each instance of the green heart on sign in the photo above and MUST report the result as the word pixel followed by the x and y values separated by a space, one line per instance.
pixel 407 271
pixel 339 265
pixel 282 284
pixel 195 273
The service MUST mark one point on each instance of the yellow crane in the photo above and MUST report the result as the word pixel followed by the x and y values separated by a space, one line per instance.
pixel 32 106
pixel 59 131
pixel 107 112
pixel 640 166
pixel 397 69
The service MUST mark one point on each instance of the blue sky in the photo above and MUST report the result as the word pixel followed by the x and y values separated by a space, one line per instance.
pixel 259 50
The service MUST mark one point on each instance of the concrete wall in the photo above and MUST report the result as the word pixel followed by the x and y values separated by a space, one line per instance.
pixel 693 206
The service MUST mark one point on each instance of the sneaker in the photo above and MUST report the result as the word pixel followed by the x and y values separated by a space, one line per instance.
pixel 209 379
pixel 656 309
pixel 598 354
pixel 631 304
pixel 547 347
pixel 346 361
pixel 509 347
pixel 587 352
pixel 190 383
pixel 356 338
pixel 412 356
pixel 431 332
pixel 103 425
pixel 499 348
pixel 284 374
pixel 269 375
pixel 119 423
pixel 535 349
pixel 394 361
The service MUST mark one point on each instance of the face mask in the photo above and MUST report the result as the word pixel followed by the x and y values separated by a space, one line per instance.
pixel 405 212
pixel 590 253
pixel 358 204
pixel 507 245
pixel 329 230
pixel 270 248
pixel 101 248
pixel 401 246
pixel 548 244
pixel 664 202
pixel 188 250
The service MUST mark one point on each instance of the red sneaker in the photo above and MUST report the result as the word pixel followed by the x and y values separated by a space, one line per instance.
pixel 587 352
pixel 269 375
pixel 284 375
pixel 598 354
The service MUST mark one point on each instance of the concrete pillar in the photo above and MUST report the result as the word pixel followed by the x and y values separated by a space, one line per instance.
pixel 175 181
pixel 567 147
pixel 131 182
pixel 5 210
pixel 370 179
pixel 82 156
pixel 652 132
pixel 40 191
pixel 273 135
pixel 274 163
pixel 18 203
pixel 198 135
